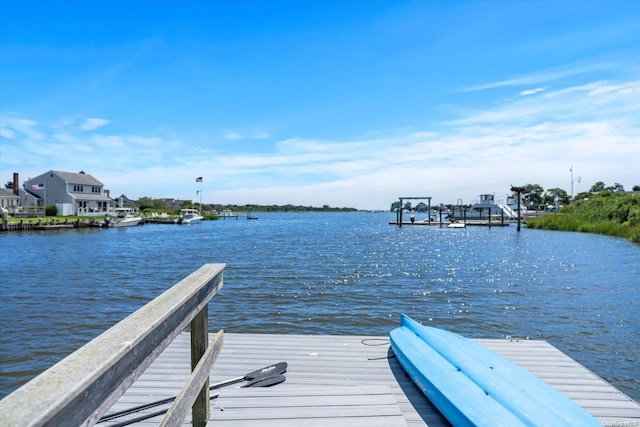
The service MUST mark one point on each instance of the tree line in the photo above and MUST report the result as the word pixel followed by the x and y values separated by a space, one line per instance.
pixel 148 203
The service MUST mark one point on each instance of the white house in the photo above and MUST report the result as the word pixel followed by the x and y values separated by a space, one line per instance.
pixel 8 200
pixel 71 193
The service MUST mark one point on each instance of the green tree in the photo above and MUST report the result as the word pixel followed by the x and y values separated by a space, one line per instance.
pixel 421 207
pixel 145 203
pixel 617 187
pixel 533 194
pixel 636 188
pixel 556 194
pixel 149 203
pixel 9 185
pixel 597 187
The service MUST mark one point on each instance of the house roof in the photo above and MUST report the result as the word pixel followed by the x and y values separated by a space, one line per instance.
pixel 77 178
pixel 6 194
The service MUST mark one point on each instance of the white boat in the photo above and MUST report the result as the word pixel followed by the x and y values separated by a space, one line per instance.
pixel 227 213
pixel 189 216
pixel 125 217
pixel 456 225
pixel 483 209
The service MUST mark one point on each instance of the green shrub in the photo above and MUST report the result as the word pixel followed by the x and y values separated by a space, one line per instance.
pixel 608 213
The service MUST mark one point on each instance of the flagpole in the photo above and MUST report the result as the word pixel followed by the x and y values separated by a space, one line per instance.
pixel 571 170
pixel 200 205
pixel 200 180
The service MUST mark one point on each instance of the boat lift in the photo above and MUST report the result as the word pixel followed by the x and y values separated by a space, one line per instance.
pixel 400 208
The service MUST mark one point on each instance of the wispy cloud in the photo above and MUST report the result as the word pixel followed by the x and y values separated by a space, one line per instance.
pixel 542 76
pixel 93 123
pixel 14 127
pixel 233 135
pixel 532 91
pixel 524 139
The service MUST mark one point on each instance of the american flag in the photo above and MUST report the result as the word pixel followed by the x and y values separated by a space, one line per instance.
pixel 38 186
pixel 199 179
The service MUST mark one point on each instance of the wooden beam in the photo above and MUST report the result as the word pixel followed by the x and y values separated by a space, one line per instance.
pixel 192 390
pixel 79 389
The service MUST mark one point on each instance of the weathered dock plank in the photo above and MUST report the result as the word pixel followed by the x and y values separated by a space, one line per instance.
pixel 351 381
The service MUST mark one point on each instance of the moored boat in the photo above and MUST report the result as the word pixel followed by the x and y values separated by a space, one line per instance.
pixel 126 217
pixel 486 207
pixel 456 225
pixel 189 216
pixel 473 386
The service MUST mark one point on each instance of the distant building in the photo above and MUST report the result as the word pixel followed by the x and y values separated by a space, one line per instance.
pixel 174 203
pixel 124 201
pixel 8 200
pixel 71 193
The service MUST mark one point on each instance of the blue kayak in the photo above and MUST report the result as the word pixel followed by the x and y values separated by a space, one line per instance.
pixel 473 386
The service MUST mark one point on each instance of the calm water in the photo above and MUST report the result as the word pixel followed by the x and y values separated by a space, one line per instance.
pixel 335 273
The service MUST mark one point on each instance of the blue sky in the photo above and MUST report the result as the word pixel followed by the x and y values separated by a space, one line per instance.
pixel 321 102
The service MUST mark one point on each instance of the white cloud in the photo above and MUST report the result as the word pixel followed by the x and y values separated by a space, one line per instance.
pixel 526 139
pixel 145 141
pixel 64 137
pixel 532 91
pixel 233 135
pixel 12 127
pixel 542 76
pixel 5 132
pixel 93 123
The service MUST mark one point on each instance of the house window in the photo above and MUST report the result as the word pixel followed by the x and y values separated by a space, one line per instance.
pixel 78 188
pixel 95 190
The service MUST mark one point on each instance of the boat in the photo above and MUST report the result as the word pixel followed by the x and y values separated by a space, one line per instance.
pixel 483 209
pixel 456 225
pixel 189 216
pixel 126 217
pixel 227 213
pixel 474 386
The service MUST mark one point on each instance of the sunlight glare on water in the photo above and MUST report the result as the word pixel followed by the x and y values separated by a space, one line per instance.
pixel 328 273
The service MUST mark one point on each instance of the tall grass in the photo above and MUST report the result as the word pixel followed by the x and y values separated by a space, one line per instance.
pixel 607 213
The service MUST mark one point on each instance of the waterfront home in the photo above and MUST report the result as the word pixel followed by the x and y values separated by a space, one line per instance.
pixel 71 193
pixel 8 200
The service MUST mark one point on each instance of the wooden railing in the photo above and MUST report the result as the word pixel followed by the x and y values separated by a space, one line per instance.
pixel 79 389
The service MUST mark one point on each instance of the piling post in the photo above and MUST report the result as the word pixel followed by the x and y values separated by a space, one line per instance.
pixel 518 190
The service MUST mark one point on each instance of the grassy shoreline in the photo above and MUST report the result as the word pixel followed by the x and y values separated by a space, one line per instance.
pixel 606 213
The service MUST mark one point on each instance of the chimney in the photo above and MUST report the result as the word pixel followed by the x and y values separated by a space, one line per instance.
pixel 15 183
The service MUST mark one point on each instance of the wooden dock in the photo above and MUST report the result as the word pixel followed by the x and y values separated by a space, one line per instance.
pixel 33 224
pixel 350 381
pixel 469 222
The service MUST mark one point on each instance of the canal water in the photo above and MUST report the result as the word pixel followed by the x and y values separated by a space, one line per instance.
pixel 327 273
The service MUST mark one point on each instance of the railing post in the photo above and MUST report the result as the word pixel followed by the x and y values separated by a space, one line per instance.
pixel 199 342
